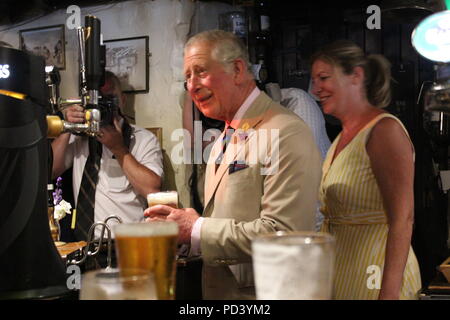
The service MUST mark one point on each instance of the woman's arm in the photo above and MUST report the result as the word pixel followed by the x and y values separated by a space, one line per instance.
pixel 391 156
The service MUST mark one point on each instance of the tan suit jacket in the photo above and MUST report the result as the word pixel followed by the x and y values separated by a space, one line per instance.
pixel 249 202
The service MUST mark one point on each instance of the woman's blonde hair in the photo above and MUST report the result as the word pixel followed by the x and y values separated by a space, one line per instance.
pixel 377 69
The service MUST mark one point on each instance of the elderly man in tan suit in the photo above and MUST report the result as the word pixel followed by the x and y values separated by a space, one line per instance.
pixel 265 180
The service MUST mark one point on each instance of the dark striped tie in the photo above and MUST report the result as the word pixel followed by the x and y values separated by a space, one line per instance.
pixel 225 141
pixel 86 194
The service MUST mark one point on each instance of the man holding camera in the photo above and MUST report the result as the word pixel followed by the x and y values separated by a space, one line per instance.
pixel 129 164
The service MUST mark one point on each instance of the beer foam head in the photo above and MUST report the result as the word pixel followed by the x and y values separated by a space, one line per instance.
pixel 168 197
pixel 147 229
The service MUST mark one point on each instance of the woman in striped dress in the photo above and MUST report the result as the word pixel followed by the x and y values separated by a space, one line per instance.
pixel 367 184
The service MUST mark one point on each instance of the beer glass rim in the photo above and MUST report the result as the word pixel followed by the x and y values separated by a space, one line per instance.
pixel 170 228
pixel 164 192
pixel 163 197
pixel 114 275
pixel 167 191
pixel 295 238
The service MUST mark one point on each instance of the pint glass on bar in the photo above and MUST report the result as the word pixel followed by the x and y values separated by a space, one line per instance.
pixel 150 246
pixel 169 198
pixel 294 266
pixel 115 284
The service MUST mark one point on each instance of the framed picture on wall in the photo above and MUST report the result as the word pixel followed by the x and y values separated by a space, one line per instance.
pixel 128 59
pixel 47 42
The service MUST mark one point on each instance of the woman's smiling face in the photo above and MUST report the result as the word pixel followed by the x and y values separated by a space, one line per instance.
pixel 331 86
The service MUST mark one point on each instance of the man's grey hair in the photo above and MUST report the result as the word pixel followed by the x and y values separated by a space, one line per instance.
pixel 227 47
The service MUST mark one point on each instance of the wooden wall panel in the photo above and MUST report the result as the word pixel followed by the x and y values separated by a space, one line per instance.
pixel 373 41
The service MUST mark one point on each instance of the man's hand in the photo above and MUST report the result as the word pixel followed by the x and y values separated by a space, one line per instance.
pixel 185 218
pixel 75 114
pixel 111 137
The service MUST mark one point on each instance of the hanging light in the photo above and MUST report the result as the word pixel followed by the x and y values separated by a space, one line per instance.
pixel 431 39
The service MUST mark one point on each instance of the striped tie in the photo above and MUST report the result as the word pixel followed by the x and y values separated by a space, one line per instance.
pixel 86 194
pixel 225 141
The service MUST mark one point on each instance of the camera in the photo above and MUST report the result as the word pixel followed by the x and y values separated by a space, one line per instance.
pixel 109 109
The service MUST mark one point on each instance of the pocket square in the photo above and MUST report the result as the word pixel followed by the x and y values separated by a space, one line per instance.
pixel 236 166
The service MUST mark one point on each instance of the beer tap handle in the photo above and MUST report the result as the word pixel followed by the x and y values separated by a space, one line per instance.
pixel 91 127
pixel 100 242
pixel 94 62
pixel 82 61
pixel 91 241
pixel 91 67
pixel 119 219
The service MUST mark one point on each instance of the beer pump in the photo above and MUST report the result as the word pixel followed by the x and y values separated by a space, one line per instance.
pixel 30 265
pixel 92 66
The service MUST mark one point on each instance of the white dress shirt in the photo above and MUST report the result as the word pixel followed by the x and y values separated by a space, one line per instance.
pixel 304 106
pixel 114 194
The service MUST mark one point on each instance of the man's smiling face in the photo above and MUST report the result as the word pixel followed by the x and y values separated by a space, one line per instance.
pixel 210 85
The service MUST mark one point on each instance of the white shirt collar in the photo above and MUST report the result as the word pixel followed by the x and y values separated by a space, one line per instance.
pixel 243 108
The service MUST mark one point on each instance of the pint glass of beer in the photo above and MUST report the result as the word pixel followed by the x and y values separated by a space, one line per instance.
pixel 115 284
pixel 294 266
pixel 151 246
pixel 169 198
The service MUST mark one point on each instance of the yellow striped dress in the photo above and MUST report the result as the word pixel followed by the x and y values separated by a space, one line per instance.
pixel 355 215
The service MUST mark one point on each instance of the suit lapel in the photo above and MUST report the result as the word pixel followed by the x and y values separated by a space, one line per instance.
pixel 252 117
pixel 211 169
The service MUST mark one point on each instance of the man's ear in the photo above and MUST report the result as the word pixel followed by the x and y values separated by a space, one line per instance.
pixel 240 70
